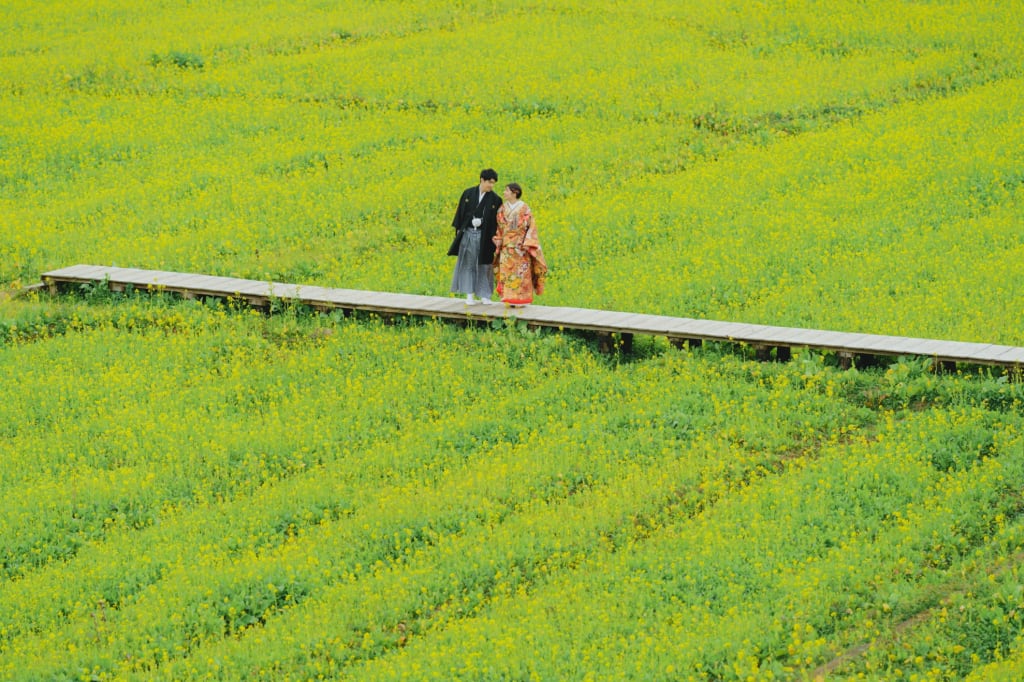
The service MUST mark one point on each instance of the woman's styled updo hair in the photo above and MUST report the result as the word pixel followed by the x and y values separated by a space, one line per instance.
pixel 516 189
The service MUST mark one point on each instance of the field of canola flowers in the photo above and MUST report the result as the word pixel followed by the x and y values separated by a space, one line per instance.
pixel 191 490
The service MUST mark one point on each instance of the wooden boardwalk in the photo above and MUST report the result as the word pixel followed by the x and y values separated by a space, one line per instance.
pixel 679 330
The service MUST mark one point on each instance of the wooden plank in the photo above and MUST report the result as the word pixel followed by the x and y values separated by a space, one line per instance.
pixel 162 280
pixel 846 341
pixel 229 283
pixel 893 344
pixel 193 280
pixel 168 280
pixel 351 295
pixel 97 271
pixel 603 316
pixel 488 312
pixel 573 316
pixel 346 297
pixel 761 333
pixel 253 289
pixel 616 323
pixel 1013 356
pixel 91 271
pixel 534 320
pixel 637 323
pixel 314 294
pixel 461 305
pixel 803 337
pixel 413 303
pixel 410 302
pixel 881 345
pixel 563 313
pixel 421 301
pixel 924 347
pixel 601 320
pixel 538 313
pixel 656 325
pixel 1000 353
pixel 392 303
pixel 739 331
pixel 963 349
pixel 784 335
pixel 103 271
pixel 688 328
pixel 890 345
pixel 144 278
pixel 710 329
pixel 459 308
pixel 742 332
pixel 531 315
pixel 876 342
pixel 131 276
pixel 441 304
pixel 955 350
pixel 203 284
pixel 798 336
pixel 228 286
pixel 823 338
pixel 159 274
pixel 77 273
pixel 717 328
pixel 284 291
pixel 779 336
pixel 159 279
pixel 69 271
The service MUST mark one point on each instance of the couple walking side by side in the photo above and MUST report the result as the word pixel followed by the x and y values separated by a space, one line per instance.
pixel 496 241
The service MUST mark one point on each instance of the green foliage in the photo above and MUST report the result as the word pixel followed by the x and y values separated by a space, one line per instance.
pixel 192 489
pixel 221 496
pixel 182 60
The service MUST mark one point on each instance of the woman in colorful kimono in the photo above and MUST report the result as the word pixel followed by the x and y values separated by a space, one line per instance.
pixel 519 264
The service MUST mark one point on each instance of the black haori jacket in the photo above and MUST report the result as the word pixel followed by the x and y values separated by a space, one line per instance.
pixel 487 210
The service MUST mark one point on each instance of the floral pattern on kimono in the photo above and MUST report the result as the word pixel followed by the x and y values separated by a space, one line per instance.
pixel 520 269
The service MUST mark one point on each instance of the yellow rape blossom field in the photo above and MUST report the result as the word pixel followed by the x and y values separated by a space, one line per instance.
pixel 192 489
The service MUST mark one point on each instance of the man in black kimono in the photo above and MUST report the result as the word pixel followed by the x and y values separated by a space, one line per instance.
pixel 475 223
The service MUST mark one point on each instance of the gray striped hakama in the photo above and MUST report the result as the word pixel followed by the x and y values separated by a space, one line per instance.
pixel 470 276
